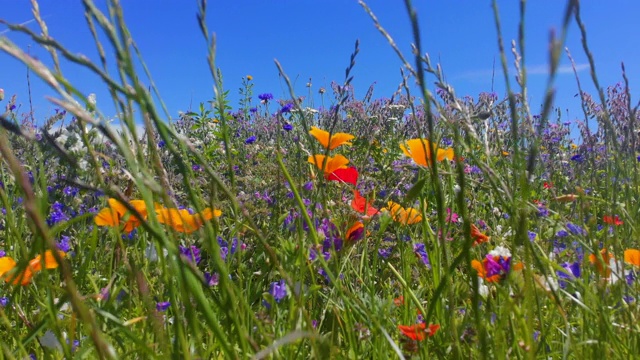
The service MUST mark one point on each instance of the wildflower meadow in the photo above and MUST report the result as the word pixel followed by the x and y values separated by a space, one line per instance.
pixel 420 224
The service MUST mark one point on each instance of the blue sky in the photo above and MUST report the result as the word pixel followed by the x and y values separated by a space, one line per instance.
pixel 313 39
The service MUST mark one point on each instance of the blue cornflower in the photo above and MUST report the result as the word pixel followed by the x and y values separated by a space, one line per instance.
pixel 278 290
pixel 163 305
pixel 532 235
pixel 4 301
pixel 161 143
pixel 287 127
pixel 571 271
pixel 265 96
pixel 286 108
pixel 577 158
pixel 562 233
pixel 253 110
pixel 250 140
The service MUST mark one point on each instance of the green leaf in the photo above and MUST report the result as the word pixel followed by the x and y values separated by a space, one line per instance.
pixel 415 190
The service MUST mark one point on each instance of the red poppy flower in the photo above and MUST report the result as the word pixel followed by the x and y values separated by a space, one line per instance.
pixel 361 206
pixel 612 220
pixel 348 175
pixel 419 332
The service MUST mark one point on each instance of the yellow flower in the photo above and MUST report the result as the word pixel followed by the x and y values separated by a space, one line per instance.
pixel 406 216
pixel 420 151
pixel 332 163
pixel 249 77
pixel 336 139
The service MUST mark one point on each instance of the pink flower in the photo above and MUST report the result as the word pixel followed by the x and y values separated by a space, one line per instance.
pixel 451 216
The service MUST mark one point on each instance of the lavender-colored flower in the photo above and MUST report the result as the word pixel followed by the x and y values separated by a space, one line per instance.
pixel 70 191
pixel 250 140
pixel 571 271
pixel 191 253
pixel 278 290
pixel 385 253
pixel 64 244
pixel 532 235
pixel 562 234
pixel 253 110
pixel 163 305
pixel 265 97
pixel 211 279
pixel 3 253
pixel 4 301
pixel 575 229
pixel 308 186
pixel 420 250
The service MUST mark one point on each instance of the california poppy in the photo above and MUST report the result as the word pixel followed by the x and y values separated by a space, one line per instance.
pixel 419 150
pixel 114 214
pixel 355 232
pixel 7 264
pixel 602 266
pixel 332 163
pixel 332 142
pixel 361 206
pixel 632 256
pixel 406 216
pixel 566 198
pixel 419 331
pixel 182 221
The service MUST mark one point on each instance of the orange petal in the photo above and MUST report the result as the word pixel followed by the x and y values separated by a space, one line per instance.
pixel 332 142
pixel 418 150
pixel 107 217
pixel 631 256
pixel 444 154
pixel 6 264
pixel 477 236
pixel 477 265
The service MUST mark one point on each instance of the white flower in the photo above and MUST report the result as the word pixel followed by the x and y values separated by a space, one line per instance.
pixel 92 99
pixel 483 290
pixel 500 251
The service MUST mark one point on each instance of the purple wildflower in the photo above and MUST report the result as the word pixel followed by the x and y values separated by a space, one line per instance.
pixel 250 140
pixel 191 253
pixel 278 290
pixel 163 305
pixel 265 97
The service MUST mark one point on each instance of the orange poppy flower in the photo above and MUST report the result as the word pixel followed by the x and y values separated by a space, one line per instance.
pixel 419 150
pixel 406 216
pixel 114 214
pixel 477 236
pixel 332 142
pixel 332 163
pixel 632 256
pixel 7 264
pixel 182 221
pixel 418 332
pixel 603 268
pixel 355 232
pixel 361 206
